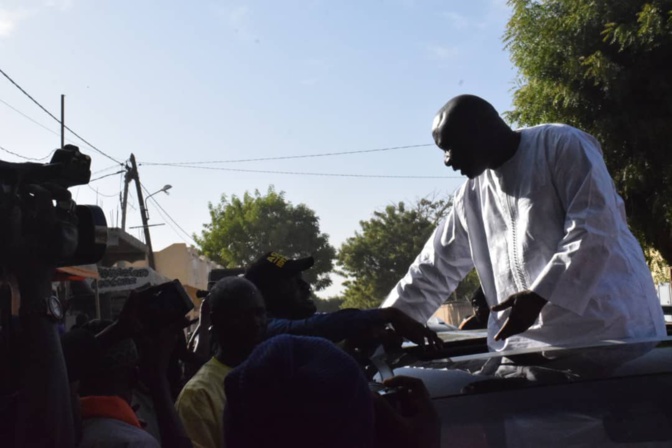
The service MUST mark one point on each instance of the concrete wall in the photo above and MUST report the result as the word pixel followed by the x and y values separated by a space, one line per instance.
pixel 454 312
pixel 185 264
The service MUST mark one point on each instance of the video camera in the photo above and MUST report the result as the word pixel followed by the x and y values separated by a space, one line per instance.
pixel 163 304
pixel 61 231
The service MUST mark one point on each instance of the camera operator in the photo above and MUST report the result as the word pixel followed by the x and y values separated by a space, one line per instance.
pixel 41 228
pixel 43 414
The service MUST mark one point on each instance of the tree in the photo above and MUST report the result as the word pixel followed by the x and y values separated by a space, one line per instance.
pixel 603 66
pixel 243 229
pixel 377 257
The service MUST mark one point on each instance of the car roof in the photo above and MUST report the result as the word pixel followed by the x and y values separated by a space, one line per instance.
pixel 473 371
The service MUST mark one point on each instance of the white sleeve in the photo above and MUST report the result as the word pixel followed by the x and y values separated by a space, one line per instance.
pixel 443 263
pixel 592 221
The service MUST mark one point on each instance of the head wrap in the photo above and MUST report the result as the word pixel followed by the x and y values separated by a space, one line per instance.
pixel 300 392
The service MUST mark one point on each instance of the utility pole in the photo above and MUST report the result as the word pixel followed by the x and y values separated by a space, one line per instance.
pixel 124 199
pixel 132 174
pixel 62 121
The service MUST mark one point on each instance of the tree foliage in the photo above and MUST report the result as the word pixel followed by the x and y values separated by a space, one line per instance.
pixel 377 257
pixel 604 67
pixel 243 229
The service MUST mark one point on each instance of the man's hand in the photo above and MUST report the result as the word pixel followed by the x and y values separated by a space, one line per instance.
pixel 411 329
pixel 525 309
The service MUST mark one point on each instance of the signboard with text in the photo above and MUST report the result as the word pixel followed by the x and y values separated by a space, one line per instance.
pixel 124 279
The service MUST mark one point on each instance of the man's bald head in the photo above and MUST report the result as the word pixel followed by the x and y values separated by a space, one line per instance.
pixel 473 135
pixel 231 293
pixel 238 315
pixel 464 112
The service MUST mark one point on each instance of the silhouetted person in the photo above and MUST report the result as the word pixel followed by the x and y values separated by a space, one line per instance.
pixel 479 305
pixel 540 220
pixel 106 393
pixel 292 311
pixel 305 392
pixel 103 358
pixel 238 316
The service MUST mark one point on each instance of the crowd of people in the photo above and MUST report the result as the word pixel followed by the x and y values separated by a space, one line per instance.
pixel 538 218
pixel 266 368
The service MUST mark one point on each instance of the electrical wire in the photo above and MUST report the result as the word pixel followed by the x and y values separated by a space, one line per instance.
pixel 28 95
pixel 106 169
pixel 27 158
pixel 170 218
pixel 303 156
pixel 116 164
pixel 172 227
pixel 28 117
pixel 57 120
pixel 102 194
pixel 49 130
pixel 302 173
pixel 107 175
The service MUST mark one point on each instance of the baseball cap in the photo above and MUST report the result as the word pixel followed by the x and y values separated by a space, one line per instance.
pixel 276 265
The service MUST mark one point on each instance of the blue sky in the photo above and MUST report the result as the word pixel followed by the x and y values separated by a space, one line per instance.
pixel 218 80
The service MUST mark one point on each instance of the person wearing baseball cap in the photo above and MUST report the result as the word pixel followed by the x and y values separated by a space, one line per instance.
pixel 280 281
pixel 291 309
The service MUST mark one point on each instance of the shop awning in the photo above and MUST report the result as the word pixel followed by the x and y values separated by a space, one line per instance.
pixel 67 273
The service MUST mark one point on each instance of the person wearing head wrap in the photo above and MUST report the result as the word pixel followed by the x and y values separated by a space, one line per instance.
pixel 305 392
pixel 300 392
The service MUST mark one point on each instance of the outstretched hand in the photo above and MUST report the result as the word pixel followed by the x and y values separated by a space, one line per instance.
pixel 525 309
pixel 407 327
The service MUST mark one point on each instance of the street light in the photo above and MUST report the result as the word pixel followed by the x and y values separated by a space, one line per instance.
pixel 163 190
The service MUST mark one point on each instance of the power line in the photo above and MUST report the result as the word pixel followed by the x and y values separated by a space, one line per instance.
pixel 130 202
pixel 167 214
pixel 51 131
pixel 28 117
pixel 106 169
pixel 27 158
pixel 302 156
pixel 172 227
pixel 301 173
pixel 57 120
pixel 102 194
pixel 107 175
pixel 92 147
pixel 28 95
